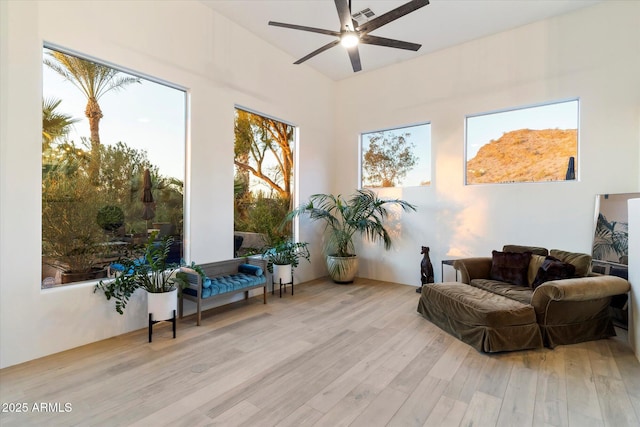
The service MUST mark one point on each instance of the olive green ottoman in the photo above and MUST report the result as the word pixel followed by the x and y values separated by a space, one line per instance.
pixel 488 322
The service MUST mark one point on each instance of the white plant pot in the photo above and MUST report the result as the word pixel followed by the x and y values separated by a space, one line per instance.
pixel 161 305
pixel 282 272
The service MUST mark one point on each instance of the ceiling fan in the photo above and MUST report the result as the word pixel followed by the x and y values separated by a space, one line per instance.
pixel 351 33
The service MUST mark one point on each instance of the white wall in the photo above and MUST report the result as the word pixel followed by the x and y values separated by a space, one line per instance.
pixel 181 42
pixel 634 275
pixel 593 54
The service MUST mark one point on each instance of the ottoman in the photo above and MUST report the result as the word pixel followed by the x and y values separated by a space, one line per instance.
pixel 486 321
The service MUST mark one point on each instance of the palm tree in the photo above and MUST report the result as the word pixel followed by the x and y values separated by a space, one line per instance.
pixel 93 80
pixel 55 125
pixel 611 239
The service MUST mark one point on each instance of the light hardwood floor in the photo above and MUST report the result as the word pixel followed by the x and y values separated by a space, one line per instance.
pixel 331 355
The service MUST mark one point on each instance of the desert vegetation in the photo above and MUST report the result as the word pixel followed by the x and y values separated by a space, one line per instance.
pixel 524 155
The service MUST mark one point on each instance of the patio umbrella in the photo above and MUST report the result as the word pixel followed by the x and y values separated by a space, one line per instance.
pixel 148 211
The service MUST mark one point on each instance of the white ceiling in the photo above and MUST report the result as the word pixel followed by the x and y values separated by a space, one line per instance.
pixel 440 24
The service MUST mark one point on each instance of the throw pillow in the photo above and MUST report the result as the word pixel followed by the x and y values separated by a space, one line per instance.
pixel 534 266
pixel 510 267
pixel 582 262
pixel 553 269
pixel 252 270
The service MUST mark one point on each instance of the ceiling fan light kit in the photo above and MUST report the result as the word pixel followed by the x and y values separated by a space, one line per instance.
pixel 349 39
pixel 351 33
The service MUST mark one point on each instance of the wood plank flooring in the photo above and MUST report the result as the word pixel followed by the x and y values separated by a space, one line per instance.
pixel 331 355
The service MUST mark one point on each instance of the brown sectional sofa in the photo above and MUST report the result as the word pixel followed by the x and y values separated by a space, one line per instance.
pixel 569 310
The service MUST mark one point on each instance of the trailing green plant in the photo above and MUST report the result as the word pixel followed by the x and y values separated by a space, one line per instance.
pixel 149 271
pixel 362 213
pixel 286 252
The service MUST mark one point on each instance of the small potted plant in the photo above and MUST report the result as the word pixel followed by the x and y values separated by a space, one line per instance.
pixel 149 271
pixel 283 257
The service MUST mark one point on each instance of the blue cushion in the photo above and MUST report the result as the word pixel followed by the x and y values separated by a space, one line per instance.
pixel 206 283
pixel 190 291
pixel 117 266
pixel 253 270
pixel 206 292
pixel 223 284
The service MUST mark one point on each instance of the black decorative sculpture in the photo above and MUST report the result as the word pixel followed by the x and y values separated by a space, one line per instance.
pixel 571 169
pixel 426 269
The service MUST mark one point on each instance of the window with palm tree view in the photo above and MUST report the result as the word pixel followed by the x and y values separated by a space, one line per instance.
pixel 112 166
pixel 263 181
pixel 527 144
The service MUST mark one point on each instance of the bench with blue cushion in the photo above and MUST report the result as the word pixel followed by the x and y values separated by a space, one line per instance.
pixel 224 278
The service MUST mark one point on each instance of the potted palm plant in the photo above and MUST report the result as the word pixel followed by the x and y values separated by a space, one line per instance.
pixel 283 257
pixel 363 213
pixel 149 271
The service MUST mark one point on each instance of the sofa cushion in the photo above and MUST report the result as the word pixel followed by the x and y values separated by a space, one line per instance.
pixel 536 250
pixel 252 270
pixel 534 266
pixel 553 269
pixel 227 283
pixel 582 262
pixel 518 293
pixel 511 267
pixel 486 321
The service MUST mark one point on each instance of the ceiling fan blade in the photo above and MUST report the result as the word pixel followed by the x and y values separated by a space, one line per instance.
pixel 346 23
pixel 382 41
pixel 354 56
pixel 317 51
pixel 303 28
pixel 392 15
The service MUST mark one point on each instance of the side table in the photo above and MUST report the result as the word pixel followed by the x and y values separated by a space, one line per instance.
pixel 450 263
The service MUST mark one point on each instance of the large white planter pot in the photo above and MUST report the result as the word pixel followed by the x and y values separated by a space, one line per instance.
pixel 342 269
pixel 282 274
pixel 162 305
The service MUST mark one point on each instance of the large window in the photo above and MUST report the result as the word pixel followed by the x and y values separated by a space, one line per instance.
pixel 529 144
pixel 263 182
pixel 398 157
pixel 112 166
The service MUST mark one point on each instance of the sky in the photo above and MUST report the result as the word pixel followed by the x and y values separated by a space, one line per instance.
pixel 421 138
pixel 147 116
pixel 482 128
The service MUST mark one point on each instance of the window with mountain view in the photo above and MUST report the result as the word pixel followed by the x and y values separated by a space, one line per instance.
pixel 113 165
pixel 263 181
pixel 529 144
pixel 399 157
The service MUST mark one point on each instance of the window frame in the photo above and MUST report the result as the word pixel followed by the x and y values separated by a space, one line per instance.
pixel 428 162
pixel 294 183
pixel 185 138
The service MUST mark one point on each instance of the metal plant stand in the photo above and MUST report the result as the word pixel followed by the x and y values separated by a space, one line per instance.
pixel 172 320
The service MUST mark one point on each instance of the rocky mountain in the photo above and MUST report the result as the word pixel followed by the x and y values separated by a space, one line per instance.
pixel 524 155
